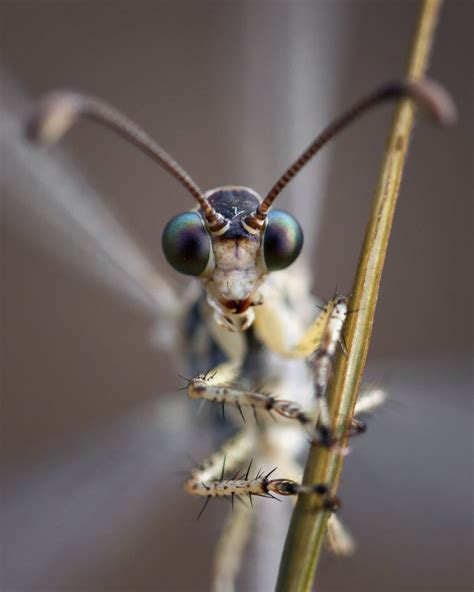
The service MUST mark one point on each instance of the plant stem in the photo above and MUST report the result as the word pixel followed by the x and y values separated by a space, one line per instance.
pixel 307 527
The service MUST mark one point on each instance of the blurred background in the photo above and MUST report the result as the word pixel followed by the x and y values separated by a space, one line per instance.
pixel 92 444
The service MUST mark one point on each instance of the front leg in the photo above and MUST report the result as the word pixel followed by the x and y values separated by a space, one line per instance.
pixel 323 361
pixel 318 344
pixel 206 387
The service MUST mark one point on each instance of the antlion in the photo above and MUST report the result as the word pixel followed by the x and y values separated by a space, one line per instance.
pixel 247 333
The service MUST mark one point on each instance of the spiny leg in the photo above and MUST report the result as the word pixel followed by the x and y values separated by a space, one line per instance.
pixel 218 386
pixel 325 331
pixel 233 454
pixel 318 344
pixel 237 529
pixel 230 549
pixel 205 387
pixel 322 362
pixel 271 325
pixel 209 479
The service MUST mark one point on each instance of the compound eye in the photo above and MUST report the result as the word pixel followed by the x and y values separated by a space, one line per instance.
pixel 283 240
pixel 186 243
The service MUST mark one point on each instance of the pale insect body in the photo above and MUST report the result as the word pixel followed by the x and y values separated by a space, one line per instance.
pixel 254 333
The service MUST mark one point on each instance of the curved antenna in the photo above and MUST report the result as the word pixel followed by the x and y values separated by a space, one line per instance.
pixel 60 110
pixel 427 94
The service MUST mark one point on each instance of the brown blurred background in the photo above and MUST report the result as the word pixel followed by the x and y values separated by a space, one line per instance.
pixel 91 450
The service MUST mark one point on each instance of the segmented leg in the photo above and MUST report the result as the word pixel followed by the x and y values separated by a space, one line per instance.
pixel 325 331
pixel 239 523
pixel 232 455
pixel 323 359
pixel 209 479
pixel 319 345
pixel 272 331
pixel 202 387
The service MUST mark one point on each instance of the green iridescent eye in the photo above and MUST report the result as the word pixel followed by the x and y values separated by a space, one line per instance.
pixel 186 243
pixel 283 240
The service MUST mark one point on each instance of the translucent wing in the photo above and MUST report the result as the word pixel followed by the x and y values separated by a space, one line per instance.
pixel 53 204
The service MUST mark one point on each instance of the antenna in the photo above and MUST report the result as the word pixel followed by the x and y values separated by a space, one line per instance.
pixel 427 94
pixel 60 110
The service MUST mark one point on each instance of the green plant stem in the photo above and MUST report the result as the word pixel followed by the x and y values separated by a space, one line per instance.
pixel 307 527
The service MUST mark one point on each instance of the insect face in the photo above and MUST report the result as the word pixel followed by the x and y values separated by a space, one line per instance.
pixel 233 262
pixel 234 239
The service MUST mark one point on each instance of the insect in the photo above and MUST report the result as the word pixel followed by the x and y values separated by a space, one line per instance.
pixel 255 340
